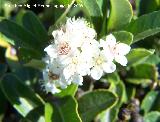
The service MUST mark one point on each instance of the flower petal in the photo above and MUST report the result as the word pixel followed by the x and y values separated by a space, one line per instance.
pixel 122 49
pixel 50 87
pixel 96 73
pixel 77 79
pixel 109 67
pixel 121 59
pixel 51 51
pixel 68 72
pixel 111 40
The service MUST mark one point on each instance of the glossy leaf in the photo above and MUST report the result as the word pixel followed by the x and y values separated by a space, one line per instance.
pixel 145 76
pixel 124 37
pixel 93 103
pixel 145 26
pixel 19 35
pixel 111 115
pixel 69 91
pixel 147 71
pixel 62 110
pixel 152 117
pixel 121 14
pixel 148 101
pixel 153 59
pixel 36 115
pixel 20 96
pixel 138 81
pixel 136 55
pixel 32 23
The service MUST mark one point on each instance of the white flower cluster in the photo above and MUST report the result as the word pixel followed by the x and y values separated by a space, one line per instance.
pixel 76 53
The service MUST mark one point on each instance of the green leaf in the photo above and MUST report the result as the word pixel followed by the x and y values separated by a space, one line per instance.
pixel 110 115
pixel 145 76
pixel 19 35
pixel 148 71
pixel 145 26
pixel 131 92
pixel 147 6
pixel 93 9
pixel 25 55
pixel 69 91
pixel 36 115
pixel 124 37
pixel 153 59
pixel 152 117
pixel 36 64
pixel 3 103
pixel 113 78
pixel 62 110
pixel 32 23
pixel 136 55
pixel 148 101
pixel 4 41
pixel 3 69
pixel 138 81
pixel 121 14
pixel 64 2
pixel 20 96
pixel 93 103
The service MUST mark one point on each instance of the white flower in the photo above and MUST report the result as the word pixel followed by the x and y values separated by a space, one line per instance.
pixel 116 50
pixel 81 27
pixel 76 53
pixel 101 63
pixel 50 87
pixel 76 68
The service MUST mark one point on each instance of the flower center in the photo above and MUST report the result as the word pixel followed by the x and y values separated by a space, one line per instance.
pixel 74 61
pixel 64 48
pixel 99 61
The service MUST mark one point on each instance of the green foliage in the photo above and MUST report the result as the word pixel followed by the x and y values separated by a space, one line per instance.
pixel 145 76
pixel 152 117
pixel 137 55
pixel 21 37
pixel 121 14
pixel 124 37
pixel 37 64
pixel 113 112
pixel 19 95
pixel 3 69
pixel 133 22
pixel 70 91
pixel 30 21
pixel 148 101
pixel 62 110
pixel 95 102
pixel 147 6
pixel 36 115
pixel 64 2
pixel 144 26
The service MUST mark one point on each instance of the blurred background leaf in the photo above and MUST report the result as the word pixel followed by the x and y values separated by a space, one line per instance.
pixel 19 95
